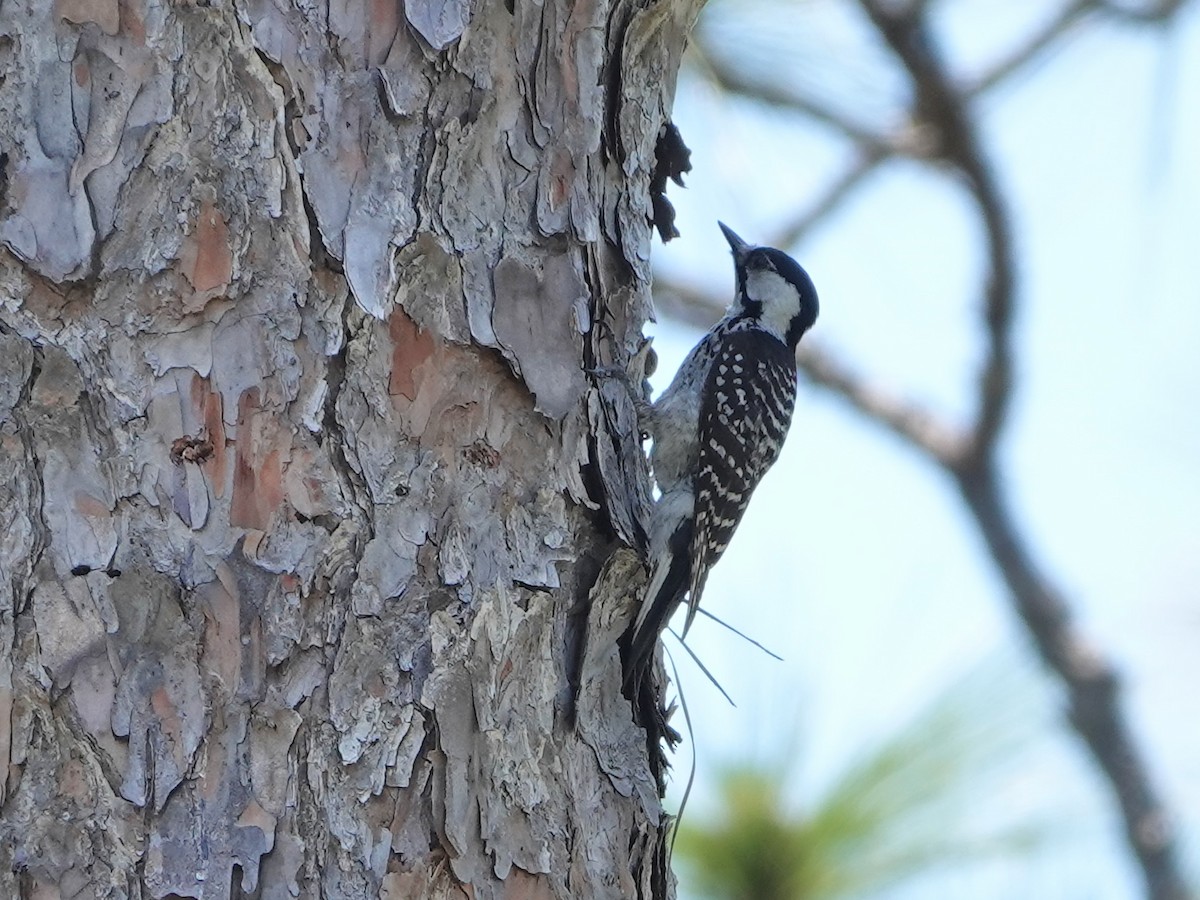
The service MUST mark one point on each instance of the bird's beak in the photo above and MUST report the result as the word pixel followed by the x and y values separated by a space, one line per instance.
pixel 740 248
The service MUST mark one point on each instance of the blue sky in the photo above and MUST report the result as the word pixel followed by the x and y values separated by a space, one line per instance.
pixel 855 561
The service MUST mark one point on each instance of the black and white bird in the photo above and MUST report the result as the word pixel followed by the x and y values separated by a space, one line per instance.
pixel 716 430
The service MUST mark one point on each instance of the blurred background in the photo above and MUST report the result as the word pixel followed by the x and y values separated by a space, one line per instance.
pixel 912 743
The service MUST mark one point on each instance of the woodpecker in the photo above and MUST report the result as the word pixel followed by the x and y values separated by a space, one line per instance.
pixel 716 429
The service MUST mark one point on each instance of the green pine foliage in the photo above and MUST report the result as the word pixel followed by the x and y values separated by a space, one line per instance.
pixel 905 807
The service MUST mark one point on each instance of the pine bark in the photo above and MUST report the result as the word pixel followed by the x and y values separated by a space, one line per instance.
pixel 304 491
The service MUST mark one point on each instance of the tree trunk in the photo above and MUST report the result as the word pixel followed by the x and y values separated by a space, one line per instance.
pixel 303 488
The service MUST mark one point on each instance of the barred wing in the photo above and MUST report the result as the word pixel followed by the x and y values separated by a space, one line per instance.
pixel 750 394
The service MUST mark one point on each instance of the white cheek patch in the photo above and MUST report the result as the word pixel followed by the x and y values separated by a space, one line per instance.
pixel 780 301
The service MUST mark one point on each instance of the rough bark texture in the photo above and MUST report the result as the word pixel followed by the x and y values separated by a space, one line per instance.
pixel 303 489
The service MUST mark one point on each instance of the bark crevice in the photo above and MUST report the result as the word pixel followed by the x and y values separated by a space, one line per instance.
pixel 330 427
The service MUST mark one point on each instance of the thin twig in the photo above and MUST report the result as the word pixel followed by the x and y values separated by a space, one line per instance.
pixel 942 110
pixel 912 422
pixel 1093 700
pixel 1093 696
pixel 834 196
pixel 1035 46
pixel 780 94
pixel 1149 14
pixel 940 107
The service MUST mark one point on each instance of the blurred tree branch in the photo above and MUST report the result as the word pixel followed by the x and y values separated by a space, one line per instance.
pixel 939 128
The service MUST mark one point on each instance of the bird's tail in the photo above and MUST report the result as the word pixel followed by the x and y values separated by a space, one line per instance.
pixel 664 592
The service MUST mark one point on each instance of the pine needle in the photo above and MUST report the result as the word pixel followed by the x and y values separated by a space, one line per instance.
pixel 742 635
pixel 703 668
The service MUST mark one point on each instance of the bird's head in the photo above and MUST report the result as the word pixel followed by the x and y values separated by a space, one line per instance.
pixel 773 288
